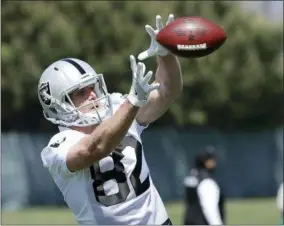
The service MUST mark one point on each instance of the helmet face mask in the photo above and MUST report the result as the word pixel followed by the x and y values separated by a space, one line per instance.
pixel 55 96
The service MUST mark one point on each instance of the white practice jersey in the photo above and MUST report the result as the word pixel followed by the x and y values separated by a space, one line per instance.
pixel 116 190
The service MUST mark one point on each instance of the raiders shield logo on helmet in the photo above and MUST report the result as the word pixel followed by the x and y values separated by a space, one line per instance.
pixel 44 88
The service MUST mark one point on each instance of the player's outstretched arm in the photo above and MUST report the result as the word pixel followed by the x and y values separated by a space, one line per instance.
pixel 168 75
pixel 107 136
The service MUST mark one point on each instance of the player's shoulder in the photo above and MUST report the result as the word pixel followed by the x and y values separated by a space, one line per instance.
pixel 59 144
pixel 208 183
pixel 64 135
pixel 191 180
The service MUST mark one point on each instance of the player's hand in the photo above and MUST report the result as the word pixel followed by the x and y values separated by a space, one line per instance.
pixel 155 48
pixel 140 88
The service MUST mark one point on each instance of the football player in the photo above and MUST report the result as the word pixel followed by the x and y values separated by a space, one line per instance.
pixel 96 159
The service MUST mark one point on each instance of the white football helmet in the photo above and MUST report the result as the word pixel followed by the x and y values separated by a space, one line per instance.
pixel 64 77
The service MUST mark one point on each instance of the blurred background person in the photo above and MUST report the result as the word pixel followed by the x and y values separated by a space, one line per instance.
pixel 204 199
pixel 279 201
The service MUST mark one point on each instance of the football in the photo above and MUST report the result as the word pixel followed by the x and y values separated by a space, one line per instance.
pixel 191 37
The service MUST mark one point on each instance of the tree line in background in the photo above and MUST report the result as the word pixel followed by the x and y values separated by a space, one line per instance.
pixel 238 87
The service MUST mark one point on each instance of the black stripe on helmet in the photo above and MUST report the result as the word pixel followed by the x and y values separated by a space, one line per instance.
pixel 75 64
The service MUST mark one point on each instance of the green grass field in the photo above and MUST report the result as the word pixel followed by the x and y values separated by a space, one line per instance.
pixel 248 211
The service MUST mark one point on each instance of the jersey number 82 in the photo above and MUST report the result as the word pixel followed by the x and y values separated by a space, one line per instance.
pixel 118 174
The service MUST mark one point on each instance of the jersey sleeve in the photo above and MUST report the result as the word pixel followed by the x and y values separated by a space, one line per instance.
pixel 54 155
pixel 209 193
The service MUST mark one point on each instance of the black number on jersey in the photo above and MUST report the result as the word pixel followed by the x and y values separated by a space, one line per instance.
pixel 100 178
pixel 119 175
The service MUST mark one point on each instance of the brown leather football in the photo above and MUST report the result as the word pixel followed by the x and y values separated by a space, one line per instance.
pixel 191 37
